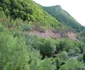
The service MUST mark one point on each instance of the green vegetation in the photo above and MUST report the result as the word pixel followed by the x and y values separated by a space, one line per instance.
pixel 64 17
pixel 19 50
pixel 28 11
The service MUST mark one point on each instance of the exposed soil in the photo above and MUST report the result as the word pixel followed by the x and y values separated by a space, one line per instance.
pixel 71 35
pixel 50 34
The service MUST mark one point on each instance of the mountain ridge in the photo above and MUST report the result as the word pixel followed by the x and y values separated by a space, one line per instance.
pixel 64 17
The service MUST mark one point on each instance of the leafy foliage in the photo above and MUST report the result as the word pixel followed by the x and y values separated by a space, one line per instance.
pixel 13 54
pixel 64 17
pixel 20 50
pixel 28 11
pixel 72 65
pixel 47 48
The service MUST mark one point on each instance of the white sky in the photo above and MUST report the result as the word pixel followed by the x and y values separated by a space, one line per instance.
pixel 76 8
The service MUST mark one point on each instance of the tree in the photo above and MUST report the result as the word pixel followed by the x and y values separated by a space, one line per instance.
pixel 47 48
pixel 13 53
pixel 72 64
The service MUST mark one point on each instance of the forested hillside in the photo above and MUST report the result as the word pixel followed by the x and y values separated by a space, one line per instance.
pixel 21 50
pixel 64 17
pixel 28 11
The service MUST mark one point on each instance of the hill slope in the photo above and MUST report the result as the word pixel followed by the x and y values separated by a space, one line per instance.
pixel 21 51
pixel 28 11
pixel 64 17
pixel 31 12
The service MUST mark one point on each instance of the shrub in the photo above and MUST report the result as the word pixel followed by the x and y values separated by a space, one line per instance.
pixel 72 64
pixel 1 28
pixel 48 64
pixel 48 47
pixel 27 27
pixel 64 45
pixel 77 50
pixel 63 55
pixel 13 53
pixel 80 57
pixel 71 52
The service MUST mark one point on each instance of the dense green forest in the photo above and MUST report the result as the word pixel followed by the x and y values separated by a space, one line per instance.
pixel 20 50
pixel 28 11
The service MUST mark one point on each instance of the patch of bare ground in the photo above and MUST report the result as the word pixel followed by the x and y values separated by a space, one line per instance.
pixel 71 35
pixel 50 34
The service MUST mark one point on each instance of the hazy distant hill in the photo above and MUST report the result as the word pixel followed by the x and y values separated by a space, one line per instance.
pixel 64 17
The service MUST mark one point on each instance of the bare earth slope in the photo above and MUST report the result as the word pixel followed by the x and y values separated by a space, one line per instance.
pixel 50 34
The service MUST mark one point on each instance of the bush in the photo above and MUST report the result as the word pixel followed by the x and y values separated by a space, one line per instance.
pixel 63 55
pixel 48 64
pixel 1 28
pixel 27 27
pixel 71 52
pixel 59 63
pixel 13 53
pixel 64 45
pixel 80 57
pixel 77 50
pixel 72 65
pixel 48 47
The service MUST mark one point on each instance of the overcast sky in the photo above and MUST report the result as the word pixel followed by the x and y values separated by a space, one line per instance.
pixel 76 8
